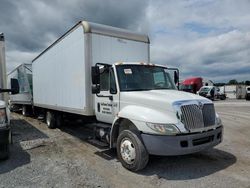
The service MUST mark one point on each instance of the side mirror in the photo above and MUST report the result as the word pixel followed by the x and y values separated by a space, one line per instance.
pixel 176 77
pixel 95 74
pixel 14 86
pixel 95 89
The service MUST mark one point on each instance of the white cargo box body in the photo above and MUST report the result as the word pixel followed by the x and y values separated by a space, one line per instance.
pixel 62 73
pixel 23 74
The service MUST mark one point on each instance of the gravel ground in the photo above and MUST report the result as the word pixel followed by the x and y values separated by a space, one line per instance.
pixel 66 157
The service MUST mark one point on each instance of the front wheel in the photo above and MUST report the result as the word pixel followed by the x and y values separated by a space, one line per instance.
pixel 131 152
pixel 4 153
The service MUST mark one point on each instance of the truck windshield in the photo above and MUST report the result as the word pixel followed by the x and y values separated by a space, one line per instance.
pixel 188 88
pixel 143 77
pixel 205 89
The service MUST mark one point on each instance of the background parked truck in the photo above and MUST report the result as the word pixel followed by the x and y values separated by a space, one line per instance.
pixel 212 92
pixel 193 84
pixel 23 100
pixel 5 131
pixel 104 74
pixel 234 91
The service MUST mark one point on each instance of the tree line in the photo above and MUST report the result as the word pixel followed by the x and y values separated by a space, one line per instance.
pixel 233 82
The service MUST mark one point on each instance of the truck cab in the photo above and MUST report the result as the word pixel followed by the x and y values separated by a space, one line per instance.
pixel 212 92
pixel 192 85
pixel 4 112
pixel 209 92
pixel 149 115
pixel 5 131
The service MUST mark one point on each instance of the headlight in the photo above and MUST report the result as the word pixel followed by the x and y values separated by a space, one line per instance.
pixel 3 118
pixel 166 129
pixel 218 120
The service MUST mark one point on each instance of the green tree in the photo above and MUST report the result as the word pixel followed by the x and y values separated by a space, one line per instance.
pixel 219 84
pixel 232 82
pixel 247 82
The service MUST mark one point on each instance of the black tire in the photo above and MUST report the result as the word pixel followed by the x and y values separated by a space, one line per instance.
pixel 223 97
pixel 141 155
pixel 24 110
pixel 59 120
pixel 4 153
pixel 50 119
pixel 10 137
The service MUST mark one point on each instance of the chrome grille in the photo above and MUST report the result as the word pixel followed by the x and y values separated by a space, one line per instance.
pixel 208 115
pixel 194 117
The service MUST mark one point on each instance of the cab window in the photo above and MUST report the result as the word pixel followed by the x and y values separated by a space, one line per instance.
pixel 113 89
pixel 107 81
pixel 104 81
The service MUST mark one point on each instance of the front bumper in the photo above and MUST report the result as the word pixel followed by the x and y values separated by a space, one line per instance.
pixel 181 144
pixel 4 142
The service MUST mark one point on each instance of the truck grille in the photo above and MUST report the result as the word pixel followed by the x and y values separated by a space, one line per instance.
pixel 208 115
pixel 195 117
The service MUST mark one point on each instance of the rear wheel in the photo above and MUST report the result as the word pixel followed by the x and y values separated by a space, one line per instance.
pixel 59 120
pixel 223 97
pixel 4 151
pixel 24 110
pixel 50 119
pixel 130 151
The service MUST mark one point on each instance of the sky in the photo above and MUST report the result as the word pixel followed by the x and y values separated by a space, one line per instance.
pixel 207 38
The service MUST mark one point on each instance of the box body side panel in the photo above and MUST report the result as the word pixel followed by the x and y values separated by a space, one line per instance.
pixel 59 75
pixel 108 49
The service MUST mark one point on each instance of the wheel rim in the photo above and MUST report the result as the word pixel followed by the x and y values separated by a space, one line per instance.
pixel 48 118
pixel 24 110
pixel 127 151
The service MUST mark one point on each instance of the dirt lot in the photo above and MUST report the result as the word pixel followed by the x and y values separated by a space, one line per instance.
pixel 67 158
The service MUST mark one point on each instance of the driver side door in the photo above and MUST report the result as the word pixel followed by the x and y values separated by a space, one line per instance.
pixel 107 101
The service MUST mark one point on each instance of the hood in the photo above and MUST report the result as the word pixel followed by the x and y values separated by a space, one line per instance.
pixel 2 104
pixel 160 99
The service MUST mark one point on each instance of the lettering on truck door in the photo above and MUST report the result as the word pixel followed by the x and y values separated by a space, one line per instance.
pixel 107 101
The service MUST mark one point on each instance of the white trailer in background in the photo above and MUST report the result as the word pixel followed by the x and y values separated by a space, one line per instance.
pixel 241 91
pixel 103 73
pixel 23 100
pixel 234 91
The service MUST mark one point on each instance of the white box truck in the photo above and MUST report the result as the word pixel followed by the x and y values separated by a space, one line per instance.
pixel 104 72
pixel 5 131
